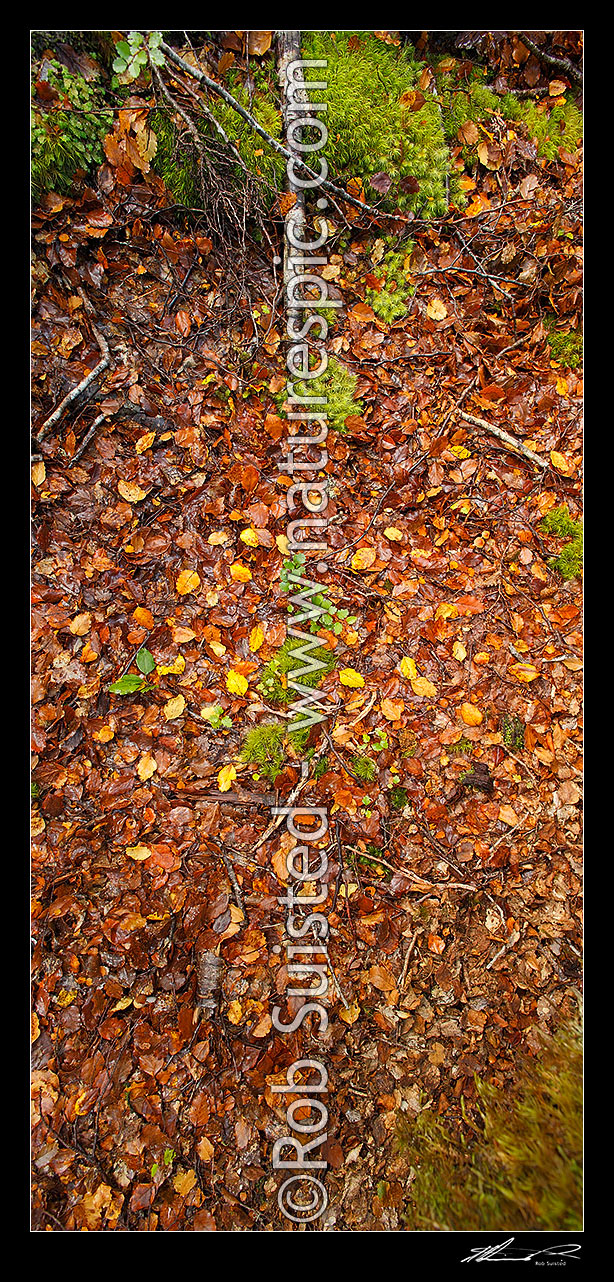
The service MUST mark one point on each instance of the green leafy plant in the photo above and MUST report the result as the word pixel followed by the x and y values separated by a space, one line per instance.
pixel 68 125
pixel 390 302
pixel 134 54
pixel 520 1166
pixel 381 129
pixel 130 683
pixel 214 714
pixel 569 561
pixel 398 798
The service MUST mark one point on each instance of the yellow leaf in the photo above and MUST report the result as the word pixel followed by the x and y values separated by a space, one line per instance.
pixel 459 651
pixel 561 463
pixel 236 683
pixel 140 853
pixel 240 572
pixel 174 708
pixel 104 735
pixel 187 581
pixel 350 1014
pixel 173 669
pixel 226 777
pixel 460 451
pixel 205 1149
pixel 38 474
pixel 524 671
pixel 363 558
pixel 249 537
pixel 282 543
pixel 143 616
pixel 184 1181
pixel 507 816
pixel 131 492
pixel 436 309
pixel 423 688
pixel 408 668
pixel 218 648
pixel 447 610
pixel 144 442
pixel 562 388
pixel 350 677
pixel 256 638
pixel 235 1012
pixel 395 535
pixel 146 767
pixel 471 715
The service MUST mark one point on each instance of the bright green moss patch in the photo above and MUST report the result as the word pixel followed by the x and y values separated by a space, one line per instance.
pixel 273 684
pixel 565 345
pixel 364 768
pixel 264 746
pixel 375 132
pixel 569 561
pixel 338 386
pixel 521 1168
pixel 469 99
pixel 390 303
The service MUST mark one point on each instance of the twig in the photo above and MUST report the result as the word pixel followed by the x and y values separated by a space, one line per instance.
pixel 80 388
pixel 506 439
pixel 551 60
pixel 410 949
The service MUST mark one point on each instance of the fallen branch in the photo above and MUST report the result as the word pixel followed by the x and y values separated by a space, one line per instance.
pixel 551 60
pixel 506 439
pixel 77 391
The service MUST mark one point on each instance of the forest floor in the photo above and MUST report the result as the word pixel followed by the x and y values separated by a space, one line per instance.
pixel 455 872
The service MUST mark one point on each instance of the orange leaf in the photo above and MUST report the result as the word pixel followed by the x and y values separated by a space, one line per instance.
pixel 471 715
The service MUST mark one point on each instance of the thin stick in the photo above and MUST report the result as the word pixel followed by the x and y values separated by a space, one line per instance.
pixel 80 388
pixel 508 440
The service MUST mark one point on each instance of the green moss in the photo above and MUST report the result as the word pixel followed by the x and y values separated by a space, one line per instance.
pixel 512 730
pixel 471 100
pixel 67 131
pixel 521 1167
pixel 565 345
pixel 460 748
pixel 374 135
pixel 273 684
pixel 364 768
pixel 569 561
pixel 398 798
pixel 338 385
pixel 264 746
pixel 177 160
pixel 390 303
